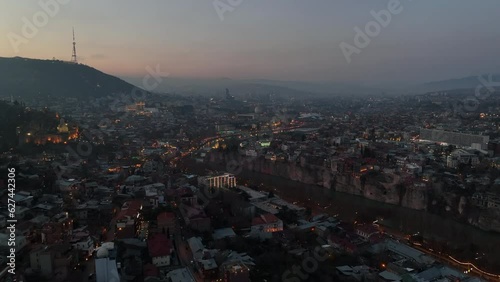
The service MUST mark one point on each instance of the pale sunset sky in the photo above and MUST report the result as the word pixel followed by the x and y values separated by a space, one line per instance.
pixel 278 39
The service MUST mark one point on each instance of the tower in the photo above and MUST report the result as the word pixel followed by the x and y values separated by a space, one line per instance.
pixel 73 57
pixel 229 96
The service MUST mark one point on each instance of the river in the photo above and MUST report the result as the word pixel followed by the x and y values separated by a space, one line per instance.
pixel 461 237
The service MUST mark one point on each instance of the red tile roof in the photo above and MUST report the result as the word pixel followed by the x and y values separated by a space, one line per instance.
pixel 367 228
pixel 165 217
pixel 343 243
pixel 270 218
pixel 130 209
pixel 265 219
pixel 183 190
pixel 159 245
pixel 257 221
pixel 151 271
pixel 134 205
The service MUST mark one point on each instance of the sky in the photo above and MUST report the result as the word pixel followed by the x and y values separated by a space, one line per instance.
pixel 294 40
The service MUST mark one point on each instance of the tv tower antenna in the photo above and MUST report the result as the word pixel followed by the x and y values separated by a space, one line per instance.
pixel 73 57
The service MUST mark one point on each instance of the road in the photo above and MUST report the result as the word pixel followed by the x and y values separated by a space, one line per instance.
pixel 243 135
pixel 444 258
pixel 183 252
pixel 460 265
pixel 80 275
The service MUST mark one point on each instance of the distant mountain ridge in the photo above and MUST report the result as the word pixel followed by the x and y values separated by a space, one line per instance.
pixel 14 116
pixel 36 78
pixel 217 86
pixel 25 77
pixel 470 82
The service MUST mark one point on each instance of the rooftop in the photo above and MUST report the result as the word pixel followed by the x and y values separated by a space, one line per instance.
pixel 223 233
pixel 265 219
pixel 159 245
pixel 181 275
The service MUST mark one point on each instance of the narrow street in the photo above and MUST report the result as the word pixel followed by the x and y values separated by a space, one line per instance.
pixel 184 254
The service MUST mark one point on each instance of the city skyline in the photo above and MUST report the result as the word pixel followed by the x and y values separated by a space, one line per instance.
pixel 289 41
pixel 249 140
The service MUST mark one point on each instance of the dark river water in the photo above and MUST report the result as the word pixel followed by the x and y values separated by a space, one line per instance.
pixel 350 208
pixel 458 236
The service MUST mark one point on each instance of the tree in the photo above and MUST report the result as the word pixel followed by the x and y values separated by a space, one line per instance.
pixel 308 211
pixel 363 180
pixel 450 149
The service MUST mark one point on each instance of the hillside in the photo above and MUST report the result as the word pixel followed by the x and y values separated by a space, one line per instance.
pixel 14 116
pixel 23 77
pixel 454 85
pixel 239 87
pixel 217 86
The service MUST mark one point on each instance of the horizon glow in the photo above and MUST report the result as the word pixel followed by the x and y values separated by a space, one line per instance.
pixel 279 40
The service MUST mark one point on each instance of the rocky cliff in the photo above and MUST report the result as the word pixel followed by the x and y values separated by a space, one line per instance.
pixel 383 189
pixel 386 188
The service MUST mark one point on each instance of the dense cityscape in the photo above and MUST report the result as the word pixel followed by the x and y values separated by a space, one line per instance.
pixel 108 178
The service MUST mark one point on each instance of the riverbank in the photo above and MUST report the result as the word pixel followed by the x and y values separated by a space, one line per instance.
pixel 465 241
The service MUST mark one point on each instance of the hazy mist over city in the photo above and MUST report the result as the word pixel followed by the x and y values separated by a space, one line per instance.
pixel 278 40
pixel 249 140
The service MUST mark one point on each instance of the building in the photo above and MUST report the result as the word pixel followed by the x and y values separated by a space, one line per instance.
pixel 225 180
pixel 494 147
pixel 83 242
pixel 409 252
pixel 455 138
pixel 42 260
pixel 53 261
pixel 196 246
pixel 160 249
pixel 126 220
pixel 21 242
pixel 3 221
pixel 180 275
pixel 235 272
pixel 461 156
pixel 251 153
pixel 188 198
pixel 486 200
pixel 54 232
pixel 366 231
pixel 195 218
pixel 223 233
pixel 150 272
pixel 106 269
pixel 264 225
pixel 166 221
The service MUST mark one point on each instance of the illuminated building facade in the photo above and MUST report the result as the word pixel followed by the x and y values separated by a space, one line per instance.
pixel 266 224
pixel 225 180
pixel 455 138
pixel 236 272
